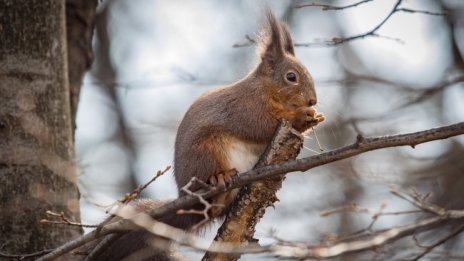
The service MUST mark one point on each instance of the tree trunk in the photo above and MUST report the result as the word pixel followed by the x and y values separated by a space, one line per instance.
pixel 37 172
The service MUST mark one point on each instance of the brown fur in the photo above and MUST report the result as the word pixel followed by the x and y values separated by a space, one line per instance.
pixel 248 110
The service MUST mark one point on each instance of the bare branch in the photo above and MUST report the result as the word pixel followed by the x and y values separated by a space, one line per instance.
pixel 134 194
pixel 63 220
pixel 360 146
pixel 418 96
pixel 26 256
pixel 428 249
pixel 208 206
pixel 102 230
pixel 353 207
pixel 102 245
pixel 249 41
pixel 370 33
pixel 365 244
pixel 282 249
pixel 325 7
pixel 407 10
pixel 253 199
pixel 419 202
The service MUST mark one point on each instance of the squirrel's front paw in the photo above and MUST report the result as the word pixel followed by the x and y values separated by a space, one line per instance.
pixel 223 178
pixel 307 117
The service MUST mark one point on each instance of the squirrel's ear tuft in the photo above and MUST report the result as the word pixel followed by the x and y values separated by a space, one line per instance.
pixel 287 39
pixel 270 42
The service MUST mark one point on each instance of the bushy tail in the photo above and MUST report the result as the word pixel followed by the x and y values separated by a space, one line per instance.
pixel 142 245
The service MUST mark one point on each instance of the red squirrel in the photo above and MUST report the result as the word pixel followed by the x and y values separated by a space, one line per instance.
pixel 225 131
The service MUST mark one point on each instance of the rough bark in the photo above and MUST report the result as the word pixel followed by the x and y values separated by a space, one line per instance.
pixel 253 199
pixel 36 148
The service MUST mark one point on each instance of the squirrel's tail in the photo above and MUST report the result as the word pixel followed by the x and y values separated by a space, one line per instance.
pixel 142 245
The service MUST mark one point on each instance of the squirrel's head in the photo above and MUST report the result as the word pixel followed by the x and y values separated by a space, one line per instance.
pixel 286 79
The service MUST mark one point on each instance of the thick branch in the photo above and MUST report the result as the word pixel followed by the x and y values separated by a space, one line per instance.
pixel 253 199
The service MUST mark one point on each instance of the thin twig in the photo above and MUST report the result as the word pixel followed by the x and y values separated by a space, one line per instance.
pixel 64 220
pixel 203 201
pixel 101 246
pixel 439 242
pixel 282 248
pixel 407 10
pixel 418 202
pixel 317 140
pixel 353 207
pixel 136 192
pixel 325 7
pixel 371 33
pixel 26 256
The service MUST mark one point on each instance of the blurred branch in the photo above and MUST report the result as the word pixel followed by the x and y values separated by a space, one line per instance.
pixel 325 7
pixel 407 10
pixel 283 249
pixel 353 207
pixel 63 220
pixel 442 217
pixel 420 202
pixel 103 244
pixel 26 256
pixel 371 242
pixel 421 95
pixel 360 146
pixel 373 31
pixel 340 40
pixel 375 215
pixel 424 94
pixel 428 249
pixel 249 41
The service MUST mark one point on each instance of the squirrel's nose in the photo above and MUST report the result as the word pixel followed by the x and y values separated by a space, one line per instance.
pixel 312 102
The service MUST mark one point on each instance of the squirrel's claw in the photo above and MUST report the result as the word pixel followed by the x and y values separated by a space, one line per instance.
pixel 223 178
pixel 307 117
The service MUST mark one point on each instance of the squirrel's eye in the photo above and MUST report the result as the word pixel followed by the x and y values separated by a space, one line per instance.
pixel 291 77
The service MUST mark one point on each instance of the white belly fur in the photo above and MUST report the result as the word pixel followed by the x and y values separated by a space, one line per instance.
pixel 243 156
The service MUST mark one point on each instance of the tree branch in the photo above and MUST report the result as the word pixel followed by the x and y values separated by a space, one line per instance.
pixel 325 7
pixel 371 33
pixel 253 199
pixel 438 243
pixel 360 146
pixel 365 244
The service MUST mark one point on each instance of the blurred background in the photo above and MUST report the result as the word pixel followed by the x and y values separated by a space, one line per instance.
pixel 153 58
